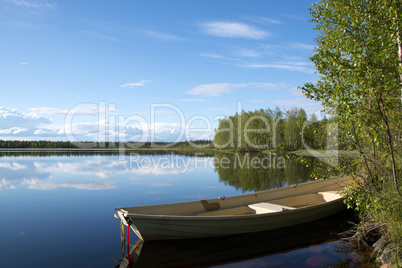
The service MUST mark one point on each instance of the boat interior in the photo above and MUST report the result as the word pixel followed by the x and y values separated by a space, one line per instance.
pixel 283 204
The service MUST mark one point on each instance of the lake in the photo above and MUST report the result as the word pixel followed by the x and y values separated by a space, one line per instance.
pixel 57 207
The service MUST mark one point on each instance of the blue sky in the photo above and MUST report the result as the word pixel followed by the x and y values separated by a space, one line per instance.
pixel 139 70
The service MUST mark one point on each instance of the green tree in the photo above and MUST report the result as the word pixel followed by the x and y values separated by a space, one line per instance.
pixel 359 56
pixel 293 129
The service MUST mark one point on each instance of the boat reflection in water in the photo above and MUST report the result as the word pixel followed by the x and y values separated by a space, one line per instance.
pixel 235 248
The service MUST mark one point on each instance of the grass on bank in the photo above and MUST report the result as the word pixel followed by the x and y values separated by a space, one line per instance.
pixel 324 153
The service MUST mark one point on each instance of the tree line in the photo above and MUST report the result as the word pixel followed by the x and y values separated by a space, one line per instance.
pixel 267 129
pixel 44 144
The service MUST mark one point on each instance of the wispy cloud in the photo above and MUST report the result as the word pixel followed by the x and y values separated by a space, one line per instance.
pixel 257 101
pixel 248 53
pixel 53 111
pixel 35 7
pixel 270 20
pixel 12 130
pixel 268 85
pixel 31 3
pixel 281 66
pixel 214 90
pixel 234 30
pixel 301 46
pixel 81 185
pixel 215 56
pixel 292 16
pixel 136 84
pixel 161 36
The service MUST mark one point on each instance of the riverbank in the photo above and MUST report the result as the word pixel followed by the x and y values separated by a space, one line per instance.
pixel 324 153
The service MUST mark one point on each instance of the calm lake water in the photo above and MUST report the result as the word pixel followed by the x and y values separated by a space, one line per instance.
pixel 57 207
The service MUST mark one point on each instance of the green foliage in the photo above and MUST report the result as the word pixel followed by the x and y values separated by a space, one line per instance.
pixel 270 130
pixel 359 58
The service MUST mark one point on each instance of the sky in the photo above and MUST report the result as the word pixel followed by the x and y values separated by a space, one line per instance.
pixel 126 70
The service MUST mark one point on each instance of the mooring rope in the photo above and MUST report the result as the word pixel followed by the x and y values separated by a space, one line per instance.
pixel 128 240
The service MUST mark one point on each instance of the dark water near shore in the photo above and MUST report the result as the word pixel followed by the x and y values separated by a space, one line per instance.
pixel 57 207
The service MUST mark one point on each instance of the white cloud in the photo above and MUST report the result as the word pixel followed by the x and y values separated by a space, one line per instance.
pixel 301 46
pixel 270 20
pixel 99 167
pixel 53 111
pixel 12 166
pixel 268 85
pixel 12 130
pixel 36 7
pixel 15 124
pixel 296 68
pixel 13 121
pixel 234 30
pixel 214 90
pixel 248 53
pixel 31 3
pixel 215 56
pixel 136 84
pixel 81 185
pixel 6 184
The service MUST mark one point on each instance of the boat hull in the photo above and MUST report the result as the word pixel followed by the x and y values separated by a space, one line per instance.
pixel 199 219
pixel 183 227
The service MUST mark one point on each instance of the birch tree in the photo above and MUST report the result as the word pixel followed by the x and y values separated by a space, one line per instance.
pixel 358 57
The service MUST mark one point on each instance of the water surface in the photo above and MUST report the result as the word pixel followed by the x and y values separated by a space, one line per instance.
pixel 57 207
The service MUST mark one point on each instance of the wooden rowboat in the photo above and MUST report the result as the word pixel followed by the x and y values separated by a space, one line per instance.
pixel 215 251
pixel 240 214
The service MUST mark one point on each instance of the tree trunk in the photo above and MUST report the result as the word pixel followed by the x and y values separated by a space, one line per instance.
pixel 390 146
pixel 398 39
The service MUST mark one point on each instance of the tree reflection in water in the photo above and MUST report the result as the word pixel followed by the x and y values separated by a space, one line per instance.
pixel 261 172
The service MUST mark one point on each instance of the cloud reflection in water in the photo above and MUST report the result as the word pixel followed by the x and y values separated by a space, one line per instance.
pixel 92 172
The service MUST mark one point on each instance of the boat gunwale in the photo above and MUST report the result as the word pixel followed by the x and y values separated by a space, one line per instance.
pixel 228 217
pixel 280 189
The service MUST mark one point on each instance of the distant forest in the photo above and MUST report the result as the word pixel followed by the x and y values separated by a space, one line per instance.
pixel 43 144
pixel 252 131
